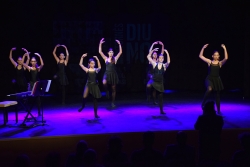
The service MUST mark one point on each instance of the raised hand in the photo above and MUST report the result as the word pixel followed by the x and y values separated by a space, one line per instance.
pixel 24 50
pixel 95 57
pixel 118 42
pixel 37 54
pixel 58 45
pixel 102 40
pixel 223 46
pixel 63 46
pixel 155 43
pixel 155 49
pixel 84 55
pixel 13 48
pixel 160 42
pixel 205 46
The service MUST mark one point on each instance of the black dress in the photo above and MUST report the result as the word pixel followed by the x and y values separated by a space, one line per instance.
pixel 213 78
pixel 61 74
pixel 33 77
pixel 21 81
pixel 158 77
pixel 111 74
pixel 92 85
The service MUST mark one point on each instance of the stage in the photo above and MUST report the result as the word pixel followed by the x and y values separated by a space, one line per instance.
pixel 131 114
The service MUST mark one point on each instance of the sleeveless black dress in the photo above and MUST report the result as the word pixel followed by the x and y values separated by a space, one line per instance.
pixel 21 81
pixel 92 85
pixel 158 77
pixel 110 74
pixel 61 74
pixel 33 77
pixel 213 78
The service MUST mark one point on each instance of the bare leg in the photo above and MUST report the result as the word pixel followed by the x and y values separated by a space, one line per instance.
pixel 85 95
pixel 113 95
pixel 207 93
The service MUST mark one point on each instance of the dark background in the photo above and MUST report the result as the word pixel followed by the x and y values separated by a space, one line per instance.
pixel 183 26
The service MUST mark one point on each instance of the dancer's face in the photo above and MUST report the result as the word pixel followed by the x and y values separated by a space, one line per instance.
pixel 33 62
pixel 154 56
pixel 111 53
pixel 19 61
pixel 161 59
pixel 92 64
pixel 61 56
pixel 216 56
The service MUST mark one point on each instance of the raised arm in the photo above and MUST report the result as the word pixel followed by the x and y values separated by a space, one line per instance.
pixel 54 53
pixel 98 63
pixel 202 57
pixel 153 45
pixel 168 59
pixel 67 55
pixel 100 50
pixel 26 54
pixel 120 50
pixel 26 66
pixel 41 61
pixel 81 65
pixel 222 62
pixel 150 58
pixel 11 59
pixel 162 47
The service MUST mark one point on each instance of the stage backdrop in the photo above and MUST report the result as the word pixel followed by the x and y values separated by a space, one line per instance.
pixel 135 32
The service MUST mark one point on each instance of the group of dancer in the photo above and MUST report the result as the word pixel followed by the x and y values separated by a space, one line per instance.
pixel 155 84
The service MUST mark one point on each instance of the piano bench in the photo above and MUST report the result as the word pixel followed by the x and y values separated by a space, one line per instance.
pixel 4 105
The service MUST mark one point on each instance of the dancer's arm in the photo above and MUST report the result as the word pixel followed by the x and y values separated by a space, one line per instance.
pixel 67 55
pixel 222 62
pixel 168 59
pixel 100 50
pixel 41 61
pixel 202 57
pixel 26 54
pixel 81 65
pixel 120 50
pixel 153 45
pixel 11 59
pixel 162 47
pixel 150 58
pixel 54 53
pixel 98 63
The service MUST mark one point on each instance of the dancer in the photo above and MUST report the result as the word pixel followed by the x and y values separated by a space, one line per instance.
pixel 92 84
pixel 110 77
pixel 150 75
pixel 158 75
pixel 62 61
pixel 20 81
pixel 213 81
pixel 34 69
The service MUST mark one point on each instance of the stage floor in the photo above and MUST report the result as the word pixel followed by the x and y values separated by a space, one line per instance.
pixel 132 114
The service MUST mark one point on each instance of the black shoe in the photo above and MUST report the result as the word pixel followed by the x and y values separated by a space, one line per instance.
pixel 80 109
pixel 162 112
pixel 96 116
